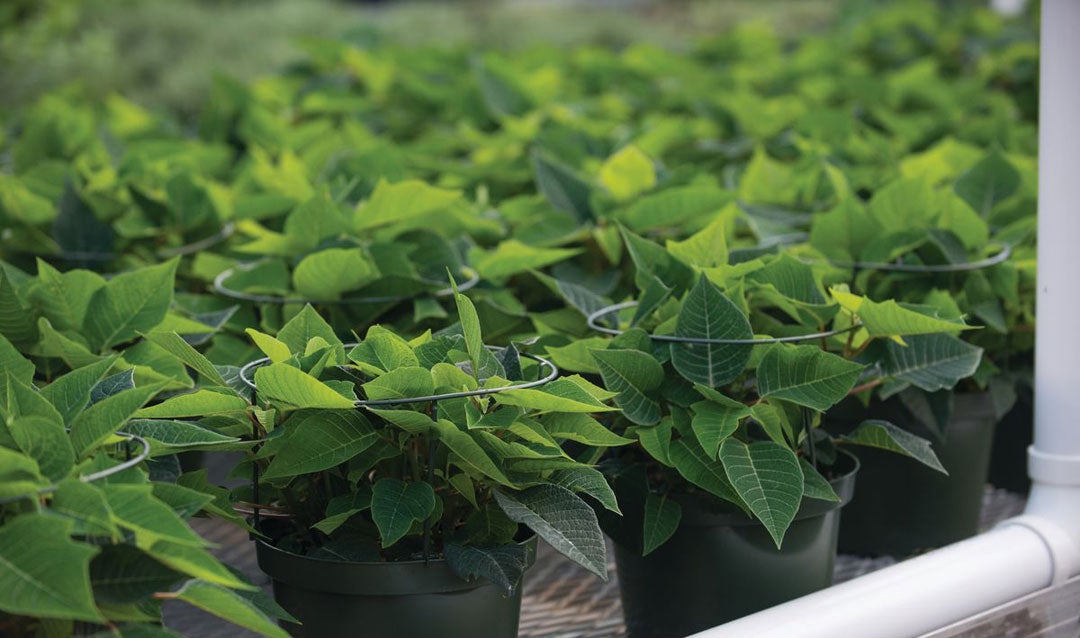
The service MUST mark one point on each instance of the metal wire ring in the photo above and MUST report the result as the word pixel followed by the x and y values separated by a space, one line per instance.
pixel 220 288
pixel 1002 256
pixel 591 321
pixel 95 476
pixel 553 373
pixel 201 244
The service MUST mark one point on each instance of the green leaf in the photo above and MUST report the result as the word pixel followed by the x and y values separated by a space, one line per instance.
pixel 564 189
pixel 130 303
pixel 502 566
pixel 329 273
pixel 991 181
pixel 86 507
pixel 170 437
pixel 582 428
pixel 674 207
pixel 44 573
pixel 636 376
pixel 18 322
pixel 806 375
pixel 395 504
pixel 65 298
pixel 815 485
pixel 13 364
pixel 886 436
pixel 696 466
pixel 319 440
pixel 708 314
pixel 890 319
pixel 200 403
pixel 230 606
pixel 714 422
pixel 562 519
pixel 306 325
pixel 489 525
pixel 175 345
pixel 341 508
pixel 101 420
pixel 134 507
pixel 410 421
pixel 401 383
pixel 469 455
pixel 122 574
pixel 70 394
pixel 511 257
pixel 46 441
pixel 662 516
pixel 653 262
pixel 706 248
pixel 395 203
pixel 932 362
pixel 384 351
pixel 470 329
pixel 627 173
pixel 295 388
pixel 271 347
pixel 769 480
pixel 196 562
pixel 561 395
pixel 586 480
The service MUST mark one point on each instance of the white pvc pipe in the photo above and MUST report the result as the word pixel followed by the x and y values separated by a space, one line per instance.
pixel 1042 547
pixel 1009 8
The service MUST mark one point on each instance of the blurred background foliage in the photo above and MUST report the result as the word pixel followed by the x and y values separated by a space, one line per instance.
pixel 163 54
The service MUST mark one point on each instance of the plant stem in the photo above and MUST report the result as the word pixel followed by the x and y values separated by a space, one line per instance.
pixel 866 386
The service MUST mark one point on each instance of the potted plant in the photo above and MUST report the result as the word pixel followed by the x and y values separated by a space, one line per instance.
pixel 93 530
pixel 723 376
pixel 400 484
pixel 357 264
pixel 967 253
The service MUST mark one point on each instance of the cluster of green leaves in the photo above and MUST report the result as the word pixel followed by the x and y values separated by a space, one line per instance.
pixel 403 479
pixel 110 200
pixel 87 540
pixel 738 421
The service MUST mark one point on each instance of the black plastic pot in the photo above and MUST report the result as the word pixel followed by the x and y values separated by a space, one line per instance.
pixel 722 565
pixel 901 506
pixel 1014 433
pixel 391 600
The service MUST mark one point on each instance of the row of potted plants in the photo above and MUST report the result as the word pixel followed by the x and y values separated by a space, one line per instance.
pixel 593 295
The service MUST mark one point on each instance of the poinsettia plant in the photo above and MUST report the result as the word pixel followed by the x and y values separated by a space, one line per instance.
pixel 110 186
pixel 356 263
pixel 93 529
pixel 956 237
pixel 723 371
pixel 397 449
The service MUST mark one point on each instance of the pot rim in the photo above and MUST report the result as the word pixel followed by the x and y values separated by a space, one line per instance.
pixel 373 578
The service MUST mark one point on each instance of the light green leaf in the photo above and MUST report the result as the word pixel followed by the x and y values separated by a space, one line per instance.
pixel 395 203
pixel 122 574
pixel 70 394
pixel 85 506
pixel 196 562
pixel 44 573
pixel 230 606
pixel 296 389
pixel 318 440
pixel 769 480
pixel 890 319
pixel 993 180
pixel 583 429
pixel 469 455
pixel 101 420
pixel 706 248
pixel 13 364
pixel 400 383
pixel 134 507
pixel 395 505
pixel 175 345
pixel 271 347
pixel 200 403
pixel 306 325
pixel 662 516
pixel 562 519
pixel 411 421
pixel 130 303
pixel 561 395
pixel 170 437
pixel 806 375
pixel 708 314
pixel 511 257
pixel 326 274
pixel 886 436
pixel 673 207
pixel 46 441
pixel 627 173
pixel 636 376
